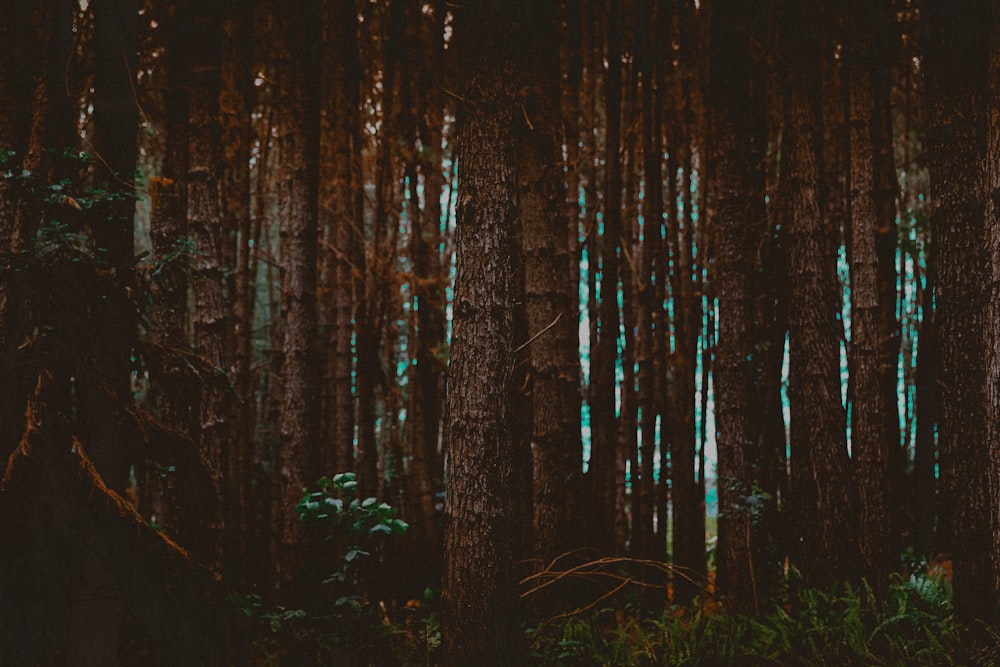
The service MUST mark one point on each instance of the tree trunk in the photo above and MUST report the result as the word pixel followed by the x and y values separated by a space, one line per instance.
pixel 235 103
pixel 991 333
pixel 738 423
pixel 341 222
pixel 819 455
pixel 481 623
pixel 204 40
pixel 603 413
pixel 553 364
pixel 870 449
pixel 298 200
pixel 650 271
pixel 956 38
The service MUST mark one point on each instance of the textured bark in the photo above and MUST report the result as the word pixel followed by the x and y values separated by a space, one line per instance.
pixel 819 450
pixel 204 39
pixel 955 70
pixel 298 200
pixel 738 224
pixel 341 224
pixel 870 449
pixel 991 333
pixel 603 413
pixel 481 623
pixel 553 364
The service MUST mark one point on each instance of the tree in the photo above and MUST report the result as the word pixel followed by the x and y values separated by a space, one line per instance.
pixel 870 448
pixel 298 197
pixel 686 493
pixel 738 426
pixel 553 364
pixel 820 477
pixel 956 39
pixel 991 333
pixel 481 623
pixel 204 166
pixel 603 413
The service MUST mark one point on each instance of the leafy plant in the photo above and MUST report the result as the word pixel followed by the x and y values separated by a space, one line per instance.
pixel 838 626
pixel 346 616
pixel 356 528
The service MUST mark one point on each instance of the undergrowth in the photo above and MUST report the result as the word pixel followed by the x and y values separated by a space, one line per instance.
pixel 843 626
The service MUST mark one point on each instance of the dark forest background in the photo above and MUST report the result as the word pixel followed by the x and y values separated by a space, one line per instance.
pixel 540 275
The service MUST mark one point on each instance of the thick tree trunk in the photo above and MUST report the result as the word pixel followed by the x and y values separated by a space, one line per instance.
pixel 481 623
pixel 298 200
pixel 819 455
pixel 341 222
pixel 204 40
pixel 870 449
pixel 738 424
pixel 956 37
pixel 553 364
pixel 991 333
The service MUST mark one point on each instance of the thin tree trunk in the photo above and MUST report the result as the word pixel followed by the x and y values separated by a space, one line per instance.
pixel 235 99
pixel 604 419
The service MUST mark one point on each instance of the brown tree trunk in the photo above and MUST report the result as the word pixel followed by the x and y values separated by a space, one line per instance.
pixel 687 498
pixel 235 101
pixel 738 423
pixel 298 200
pixel 870 449
pixel 341 224
pixel 991 333
pixel 885 40
pixel 204 166
pixel 956 37
pixel 481 623
pixel 603 413
pixel 650 271
pixel 819 456
pixel 553 364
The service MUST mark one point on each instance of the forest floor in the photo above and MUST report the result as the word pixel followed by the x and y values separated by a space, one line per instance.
pixel 913 625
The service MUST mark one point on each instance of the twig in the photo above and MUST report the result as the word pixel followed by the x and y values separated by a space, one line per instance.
pixel 537 335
